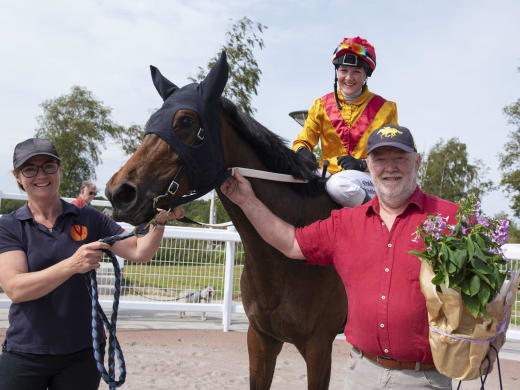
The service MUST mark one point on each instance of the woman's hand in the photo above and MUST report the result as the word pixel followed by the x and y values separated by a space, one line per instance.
pixel 87 257
pixel 164 216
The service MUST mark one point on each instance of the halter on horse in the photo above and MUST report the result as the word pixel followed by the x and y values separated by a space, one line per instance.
pixel 285 301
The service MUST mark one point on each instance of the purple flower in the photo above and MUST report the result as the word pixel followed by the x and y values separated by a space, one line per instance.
pixel 429 226
pixel 482 220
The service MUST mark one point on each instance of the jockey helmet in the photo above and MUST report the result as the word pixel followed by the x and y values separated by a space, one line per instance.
pixel 355 52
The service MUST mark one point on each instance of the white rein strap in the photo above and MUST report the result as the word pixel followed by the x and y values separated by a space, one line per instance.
pixel 247 172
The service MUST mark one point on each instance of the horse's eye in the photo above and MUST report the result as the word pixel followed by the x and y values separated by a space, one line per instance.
pixel 186 121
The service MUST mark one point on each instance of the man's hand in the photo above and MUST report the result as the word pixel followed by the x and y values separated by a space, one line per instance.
pixel 348 162
pixel 237 189
pixel 492 355
pixel 306 154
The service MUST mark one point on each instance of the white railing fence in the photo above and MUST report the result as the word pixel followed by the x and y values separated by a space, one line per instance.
pixel 188 262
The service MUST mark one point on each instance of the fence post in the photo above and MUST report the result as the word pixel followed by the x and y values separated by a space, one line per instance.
pixel 228 283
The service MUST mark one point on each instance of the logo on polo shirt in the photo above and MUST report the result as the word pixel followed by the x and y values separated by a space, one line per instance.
pixel 389 132
pixel 78 232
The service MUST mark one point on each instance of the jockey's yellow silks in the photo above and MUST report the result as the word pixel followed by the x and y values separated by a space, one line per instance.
pixel 340 132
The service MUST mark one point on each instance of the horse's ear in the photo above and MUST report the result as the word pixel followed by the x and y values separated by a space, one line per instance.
pixel 164 86
pixel 213 85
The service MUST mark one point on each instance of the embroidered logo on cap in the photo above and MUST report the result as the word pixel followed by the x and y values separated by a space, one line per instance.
pixel 78 232
pixel 389 132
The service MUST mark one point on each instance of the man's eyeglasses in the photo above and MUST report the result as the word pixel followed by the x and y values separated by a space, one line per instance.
pixel 92 193
pixel 50 168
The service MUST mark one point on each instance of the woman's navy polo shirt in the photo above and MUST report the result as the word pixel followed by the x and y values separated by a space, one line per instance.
pixel 59 322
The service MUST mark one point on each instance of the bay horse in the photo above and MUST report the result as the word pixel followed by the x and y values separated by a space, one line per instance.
pixel 284 300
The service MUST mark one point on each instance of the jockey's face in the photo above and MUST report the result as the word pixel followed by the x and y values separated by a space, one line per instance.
pixel 351 79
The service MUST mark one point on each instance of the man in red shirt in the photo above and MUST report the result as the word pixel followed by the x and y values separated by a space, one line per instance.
pixel 87 192
pixel 368 245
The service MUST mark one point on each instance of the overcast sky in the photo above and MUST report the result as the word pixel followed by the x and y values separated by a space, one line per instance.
pixel 451 66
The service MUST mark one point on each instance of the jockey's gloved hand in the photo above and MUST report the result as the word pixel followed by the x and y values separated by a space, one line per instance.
pixel 306 153
pixel 349 162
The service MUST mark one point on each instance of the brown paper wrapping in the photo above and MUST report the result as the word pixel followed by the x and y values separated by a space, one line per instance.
pixel 461 359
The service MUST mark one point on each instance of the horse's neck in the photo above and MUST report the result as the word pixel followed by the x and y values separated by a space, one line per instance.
pixel 292 206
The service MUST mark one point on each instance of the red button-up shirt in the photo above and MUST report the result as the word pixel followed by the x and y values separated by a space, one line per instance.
pixel 386 308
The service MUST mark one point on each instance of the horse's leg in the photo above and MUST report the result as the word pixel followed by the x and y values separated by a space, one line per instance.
pixel 263 351
pixel 317 353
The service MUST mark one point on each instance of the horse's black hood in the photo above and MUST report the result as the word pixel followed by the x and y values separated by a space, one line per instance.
pixel 204 158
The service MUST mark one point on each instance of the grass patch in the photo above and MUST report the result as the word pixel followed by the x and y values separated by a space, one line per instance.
pixel 170 280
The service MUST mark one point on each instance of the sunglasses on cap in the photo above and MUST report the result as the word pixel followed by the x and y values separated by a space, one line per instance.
pixel 352 47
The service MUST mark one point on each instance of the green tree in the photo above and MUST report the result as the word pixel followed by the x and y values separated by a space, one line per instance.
pixel 78 125
pixel 198 210
pixel 510 158
pixel 244 72
pixel 447 173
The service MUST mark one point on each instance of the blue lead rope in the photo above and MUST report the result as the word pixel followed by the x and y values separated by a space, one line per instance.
pixel 98 315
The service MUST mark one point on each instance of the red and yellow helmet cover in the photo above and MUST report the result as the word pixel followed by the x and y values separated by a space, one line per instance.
pixel 358 46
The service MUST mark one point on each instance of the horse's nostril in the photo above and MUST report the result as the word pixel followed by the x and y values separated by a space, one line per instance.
pixel 124 195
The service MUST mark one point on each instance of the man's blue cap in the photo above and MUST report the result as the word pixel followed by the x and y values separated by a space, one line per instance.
pixel 391 135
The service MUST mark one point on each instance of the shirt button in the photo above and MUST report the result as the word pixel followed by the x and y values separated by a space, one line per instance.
pixel 387 270
pixel 383 297
pixel 382 325
pixel 385 350
pixel 389 245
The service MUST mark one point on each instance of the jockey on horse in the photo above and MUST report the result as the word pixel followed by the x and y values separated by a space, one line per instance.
pixel 343 120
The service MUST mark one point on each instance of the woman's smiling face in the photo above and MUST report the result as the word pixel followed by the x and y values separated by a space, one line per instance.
pixel 351 79
pixel 43 184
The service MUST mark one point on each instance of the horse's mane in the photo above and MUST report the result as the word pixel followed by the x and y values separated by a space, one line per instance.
pixel 272 150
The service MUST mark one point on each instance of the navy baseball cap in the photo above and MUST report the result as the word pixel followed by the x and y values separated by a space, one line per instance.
pixel 391 135
pixel 33 147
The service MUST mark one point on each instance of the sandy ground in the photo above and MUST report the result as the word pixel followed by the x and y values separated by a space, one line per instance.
pixel 210 359
pixel 163 352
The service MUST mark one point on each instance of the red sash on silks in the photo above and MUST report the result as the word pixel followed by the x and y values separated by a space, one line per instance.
pixel 351 135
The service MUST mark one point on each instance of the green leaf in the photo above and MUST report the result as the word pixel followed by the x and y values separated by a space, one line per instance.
pixel 479 241
pixel 444 252
pixel 474 285
pixel 452 268
pixel 420 254
pixel 470 246
pixel 486 278
pixel 438 279
pixel 483 294
pixel 458 257
pixel 482 266
pixel 472 304
pixel 464 286
pixel 456 280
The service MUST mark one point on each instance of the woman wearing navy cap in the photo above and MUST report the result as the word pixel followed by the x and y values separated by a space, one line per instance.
pixel 45 248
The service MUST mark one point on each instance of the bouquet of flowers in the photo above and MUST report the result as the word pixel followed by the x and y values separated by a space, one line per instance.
pixel 467 255
pixel 462 278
